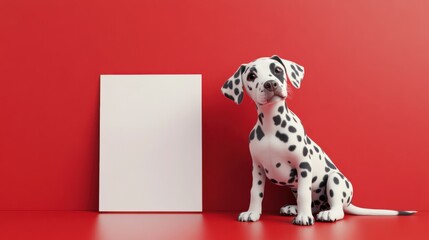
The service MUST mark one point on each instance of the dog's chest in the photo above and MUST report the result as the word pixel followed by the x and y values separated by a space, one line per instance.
pixel 278 135
pixel 275 157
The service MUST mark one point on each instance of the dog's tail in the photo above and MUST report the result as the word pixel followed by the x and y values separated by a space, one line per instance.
pixel 352 209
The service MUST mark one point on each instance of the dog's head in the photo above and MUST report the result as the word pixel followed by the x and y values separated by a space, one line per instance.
pixel 264 80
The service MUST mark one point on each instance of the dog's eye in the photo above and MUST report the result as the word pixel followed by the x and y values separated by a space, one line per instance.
pixel 251 77
pixel 278 70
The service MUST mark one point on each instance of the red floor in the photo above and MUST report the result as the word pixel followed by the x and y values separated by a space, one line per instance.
pixel 111 226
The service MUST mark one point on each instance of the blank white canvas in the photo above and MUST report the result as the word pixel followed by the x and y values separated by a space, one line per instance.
pixel 150 143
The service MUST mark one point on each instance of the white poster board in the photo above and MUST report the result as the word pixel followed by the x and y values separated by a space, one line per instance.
pixel 150 143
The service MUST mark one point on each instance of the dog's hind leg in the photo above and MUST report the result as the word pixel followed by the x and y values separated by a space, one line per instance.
pixel 338 191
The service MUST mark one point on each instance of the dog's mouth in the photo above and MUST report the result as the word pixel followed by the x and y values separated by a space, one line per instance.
pixel 272 99
pixel 276 97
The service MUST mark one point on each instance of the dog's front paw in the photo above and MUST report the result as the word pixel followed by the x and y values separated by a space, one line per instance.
pixel 249 216
pixel 303 219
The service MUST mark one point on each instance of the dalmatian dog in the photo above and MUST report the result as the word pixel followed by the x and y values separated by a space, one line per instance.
pixel 283 153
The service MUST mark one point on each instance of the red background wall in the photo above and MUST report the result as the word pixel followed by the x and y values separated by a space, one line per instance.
pixel 364 98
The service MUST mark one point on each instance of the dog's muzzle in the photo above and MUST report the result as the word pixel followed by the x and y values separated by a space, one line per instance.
pixel 272 89
pixel 270 85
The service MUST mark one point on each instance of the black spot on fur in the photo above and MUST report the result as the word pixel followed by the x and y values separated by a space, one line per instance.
pixel 294 69
pixel 229 96
pixel 305 165
pixel 295 84
pixel 282 137
pixel 311 151
pixel 293 172
pixel 304 174
pixel 292 129
pixel 274 181
pixel 336 181
pixel 316 148
pixel 322 198
pixel 281 109
pixel 259 133
pixel 341 175
pixel 292 147
pixel 323 182
pixel 299 69
pixel 278 165
pixel 236 91
pixel 247 69
pixel 292 175
pixel 240 98
pixel 237 81
pixel 330 164
pixel 287 117
pixel 331 193
pixel 344 194
pixel 327 169
pixel 293 76
pixel 275 57
pixel 266 170
pixel 304 151
pixel 308 140
pixel 257 84
pixel 239 71
pixel 279 75
pixel 347 184
pixel 259 182
pixel 283 124
pixel 225 85
pixel 260 116
pixel 277 119
pixel 299 138
pixel 314 179
pixel 261 195
pixel 348 200
pixel 252 135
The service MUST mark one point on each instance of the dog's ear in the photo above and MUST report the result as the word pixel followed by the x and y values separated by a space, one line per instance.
pixel 233 87
pixel 294 72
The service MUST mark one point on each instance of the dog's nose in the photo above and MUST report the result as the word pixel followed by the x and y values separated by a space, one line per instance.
pixel 270 85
